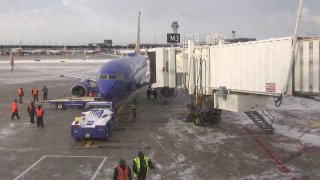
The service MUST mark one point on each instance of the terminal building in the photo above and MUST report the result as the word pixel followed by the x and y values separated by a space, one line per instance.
pixel 238 40
pixel 105 47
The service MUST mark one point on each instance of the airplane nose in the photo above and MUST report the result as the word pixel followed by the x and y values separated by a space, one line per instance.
pixel 105 97
pixel 105 89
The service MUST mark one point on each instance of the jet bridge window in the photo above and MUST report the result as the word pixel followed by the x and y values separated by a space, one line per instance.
pixel 111 76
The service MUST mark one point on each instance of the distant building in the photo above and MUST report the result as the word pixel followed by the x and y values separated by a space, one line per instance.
pixel 237 40
pixel 107 43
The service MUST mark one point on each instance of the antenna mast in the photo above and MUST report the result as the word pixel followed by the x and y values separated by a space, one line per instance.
pixel 138 36
pixel 294 43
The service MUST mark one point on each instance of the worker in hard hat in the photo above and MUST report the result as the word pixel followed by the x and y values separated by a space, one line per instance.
pixel 141 165
pixel 134 106
pixel 122 171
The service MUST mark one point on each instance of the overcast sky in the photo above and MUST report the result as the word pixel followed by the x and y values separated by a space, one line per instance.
pixel 82 21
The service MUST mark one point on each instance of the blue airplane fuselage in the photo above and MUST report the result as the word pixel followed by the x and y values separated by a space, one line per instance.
pixel 119 77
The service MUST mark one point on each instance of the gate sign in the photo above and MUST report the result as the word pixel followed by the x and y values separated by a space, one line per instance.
pixel 173 38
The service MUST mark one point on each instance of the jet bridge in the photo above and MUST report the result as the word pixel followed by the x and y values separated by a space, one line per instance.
pixel 238 77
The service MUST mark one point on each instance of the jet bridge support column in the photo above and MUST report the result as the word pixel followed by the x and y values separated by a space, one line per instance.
pixel 163 71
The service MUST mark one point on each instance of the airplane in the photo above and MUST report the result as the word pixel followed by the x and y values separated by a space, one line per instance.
pixel 117 78
pixel 89 51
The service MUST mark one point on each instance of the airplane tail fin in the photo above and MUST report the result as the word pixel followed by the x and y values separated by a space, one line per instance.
pixel 137 50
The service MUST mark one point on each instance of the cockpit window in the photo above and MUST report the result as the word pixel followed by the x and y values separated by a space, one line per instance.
pixel 111 76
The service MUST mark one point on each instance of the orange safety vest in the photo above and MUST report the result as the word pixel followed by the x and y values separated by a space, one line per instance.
pixel 123 173
pixel 14 107
pixel 20 91
pixel 35 91
pixel 39 112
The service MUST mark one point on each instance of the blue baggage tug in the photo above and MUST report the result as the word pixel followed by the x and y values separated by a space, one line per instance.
pixel 96 122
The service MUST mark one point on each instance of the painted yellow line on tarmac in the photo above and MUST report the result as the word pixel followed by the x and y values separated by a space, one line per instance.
pixel 120 110
pixel 88 144
pixel 316 125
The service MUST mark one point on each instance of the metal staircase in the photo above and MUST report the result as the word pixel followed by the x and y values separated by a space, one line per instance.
pixel 260 119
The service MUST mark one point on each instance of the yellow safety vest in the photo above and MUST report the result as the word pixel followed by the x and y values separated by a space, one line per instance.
pixel 134 104
pixel 137 160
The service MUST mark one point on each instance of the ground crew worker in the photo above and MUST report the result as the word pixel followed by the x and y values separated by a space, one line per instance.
pixel 39 114
pixel 148 92
pixel 34 92
pixel 134 106
pixel 155 94
pixel 122 171
pixel 141 165
pixel 31 111
pixel 91 93
pixel 14 109
pixel 20 93
pixel 45 93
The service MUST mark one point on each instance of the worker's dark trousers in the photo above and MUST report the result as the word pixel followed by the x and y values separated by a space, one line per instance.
pixel 35 98
pixel 141 178
pixel 148 94
pixel 45 96
pixel 20 99
pixel 155 95
pixel 40 122
pixel 31 118
pixel 134 113
pixel 15 114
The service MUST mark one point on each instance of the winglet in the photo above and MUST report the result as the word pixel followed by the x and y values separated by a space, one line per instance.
pixel 137 50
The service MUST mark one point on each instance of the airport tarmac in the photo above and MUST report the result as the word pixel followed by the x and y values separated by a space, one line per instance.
pixel 233 149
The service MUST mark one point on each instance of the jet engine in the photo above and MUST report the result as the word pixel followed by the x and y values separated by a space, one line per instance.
pixel 81 88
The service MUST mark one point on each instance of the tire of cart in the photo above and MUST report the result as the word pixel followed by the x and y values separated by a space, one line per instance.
pixel 190 118
pixel 60 106
pixel 198 121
